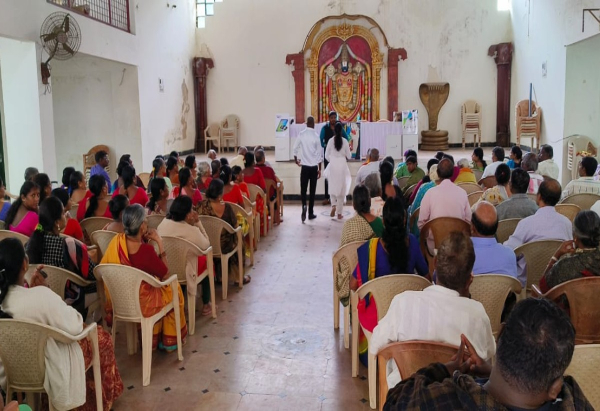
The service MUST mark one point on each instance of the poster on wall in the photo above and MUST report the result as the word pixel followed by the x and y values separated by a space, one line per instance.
pixel 353 132
pixel 410 122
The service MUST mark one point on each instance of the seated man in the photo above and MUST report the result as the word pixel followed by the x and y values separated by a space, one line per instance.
pixel 401 169
pixel 546 166
pixel 529 163
pixel 490 257
pixel 371 167
pixel 441 312
pixel 546 223
pixel 239 159
pixel 497 159
pixel 534 350
pixel 373 183
pixel 99 168
pixel 415 172
pixel 268 174
pixel 212 155
pixel 519 205
pixel 586 182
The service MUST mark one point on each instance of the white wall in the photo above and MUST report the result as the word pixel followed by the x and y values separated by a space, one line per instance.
pixel 95 102
pixel 582 89
pixel 542 29
pixel 22 133
pixel 251 79
pixel 163 46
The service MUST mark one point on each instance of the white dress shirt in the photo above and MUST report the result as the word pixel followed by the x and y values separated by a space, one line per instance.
pixel 548 168
pixel 237 161
pixel 582 185
pixel 435 314
pixel 545 224
pixel 490 170
pixel 364 171
pixel 308 148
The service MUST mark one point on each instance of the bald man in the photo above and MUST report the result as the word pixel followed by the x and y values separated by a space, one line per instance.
pixel 371 167
pixel 490 257
pixel 239 159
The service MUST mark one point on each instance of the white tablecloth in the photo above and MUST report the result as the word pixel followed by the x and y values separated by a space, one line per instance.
pixel 373 135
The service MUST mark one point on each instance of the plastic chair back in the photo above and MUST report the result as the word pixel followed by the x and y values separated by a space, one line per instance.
pixel 585 201
pixel 102 239
pixel 58 277
pixel 488 182
pixel 474 197
pixel 491 290
pixel 13 234
pixel 440 228
pixel 506 228
pixel 585 368
pixel 92 224
pixel 470 187
pixel 154 220
pixel 402 182
pixel 568 210
pixel 537 255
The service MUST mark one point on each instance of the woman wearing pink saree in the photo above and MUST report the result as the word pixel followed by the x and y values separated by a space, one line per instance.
pixel 22 217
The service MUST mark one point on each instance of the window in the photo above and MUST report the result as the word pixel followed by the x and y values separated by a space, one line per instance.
pixel 204 8
pixel 503 5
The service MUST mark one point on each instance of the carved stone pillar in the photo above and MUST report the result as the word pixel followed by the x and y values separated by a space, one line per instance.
pixel 502 54
pixel 393 56
pixel 201 66
pixel 298 73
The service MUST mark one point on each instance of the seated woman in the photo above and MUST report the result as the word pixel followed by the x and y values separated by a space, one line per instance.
pixel 237 176
pixel 363 225
pixel 182 221
pixel 190 163
pixel 465 174
pixel 434 180
pixel 426 179
pixel 117 205
pixel 22 215
pixel 501 191
pixel 231 192
pixel 173 170
pixel 186 186
pixel 159 194
pixel 126 160
pixel 135 194
pixel 204 176
pixel 214 206
pixel 159 170
pixel 47 247
pixel 96 205
pixel 66 177
pixel 4 203
pixel 478 162
pixel 132 249
pixel 516 155
pixel 73 228
pixel 578 258
pixel 77 188
pixel 43 182
pixel 396 252
pixel 386 173
pixel 68 385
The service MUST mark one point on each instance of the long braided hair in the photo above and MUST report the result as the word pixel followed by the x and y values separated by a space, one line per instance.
pixel 12 255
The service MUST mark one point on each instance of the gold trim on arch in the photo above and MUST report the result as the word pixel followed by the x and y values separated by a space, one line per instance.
pixel 344 31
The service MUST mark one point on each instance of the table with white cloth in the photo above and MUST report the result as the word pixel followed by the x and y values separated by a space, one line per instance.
pixel 373 135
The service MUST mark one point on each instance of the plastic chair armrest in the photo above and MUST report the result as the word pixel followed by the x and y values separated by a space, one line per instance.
pixel 535 291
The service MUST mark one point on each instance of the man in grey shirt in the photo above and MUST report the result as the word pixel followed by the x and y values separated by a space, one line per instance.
pixel 519 205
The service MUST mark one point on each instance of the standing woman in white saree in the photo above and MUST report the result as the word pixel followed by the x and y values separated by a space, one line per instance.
pixel 337 172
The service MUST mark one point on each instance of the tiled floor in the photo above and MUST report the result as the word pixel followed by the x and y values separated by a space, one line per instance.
pixel 272 346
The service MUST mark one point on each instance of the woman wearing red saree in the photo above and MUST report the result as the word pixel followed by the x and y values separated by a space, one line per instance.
pixel 253 175
pixel 135 194
pixel 133 250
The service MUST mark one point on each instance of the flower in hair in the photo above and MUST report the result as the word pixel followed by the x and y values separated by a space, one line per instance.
pixel 39 227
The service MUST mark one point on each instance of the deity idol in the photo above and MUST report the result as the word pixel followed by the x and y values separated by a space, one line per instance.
pixel 345 86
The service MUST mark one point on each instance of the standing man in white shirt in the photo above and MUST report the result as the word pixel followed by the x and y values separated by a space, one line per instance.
pixel 441 312
pixel 308 154
pixel 546 166
pixel 497 159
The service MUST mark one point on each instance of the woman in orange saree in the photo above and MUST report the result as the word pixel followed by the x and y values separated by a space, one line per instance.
pixel 133 250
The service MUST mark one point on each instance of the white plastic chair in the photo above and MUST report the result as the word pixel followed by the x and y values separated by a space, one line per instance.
pixel 213 227
pixel 250 207
pixel 257 191
pixel 348 253
pixel 183 257
pixel 22 352
pixel 154 220
pixel 123 283
pixel 102 239
pixel 230 131
pixel 12 234
pixel 91 224
pixel 212 133
pixel 250 219
pixel 470 116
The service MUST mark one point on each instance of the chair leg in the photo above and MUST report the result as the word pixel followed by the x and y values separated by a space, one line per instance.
pixel 354 336
pixel 346 327
pixel 175 288
pixel 372 381
pixel 463 140
pixel 336 309
pixel 113 333
pixel 96 369
pixel 251 239
pixel 131 340
pixel 224 276
pixel 211 282
pixel 240 254
pixel 192 311
pixel 147 328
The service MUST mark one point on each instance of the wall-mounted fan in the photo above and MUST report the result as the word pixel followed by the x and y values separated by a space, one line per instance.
pixel 61 38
